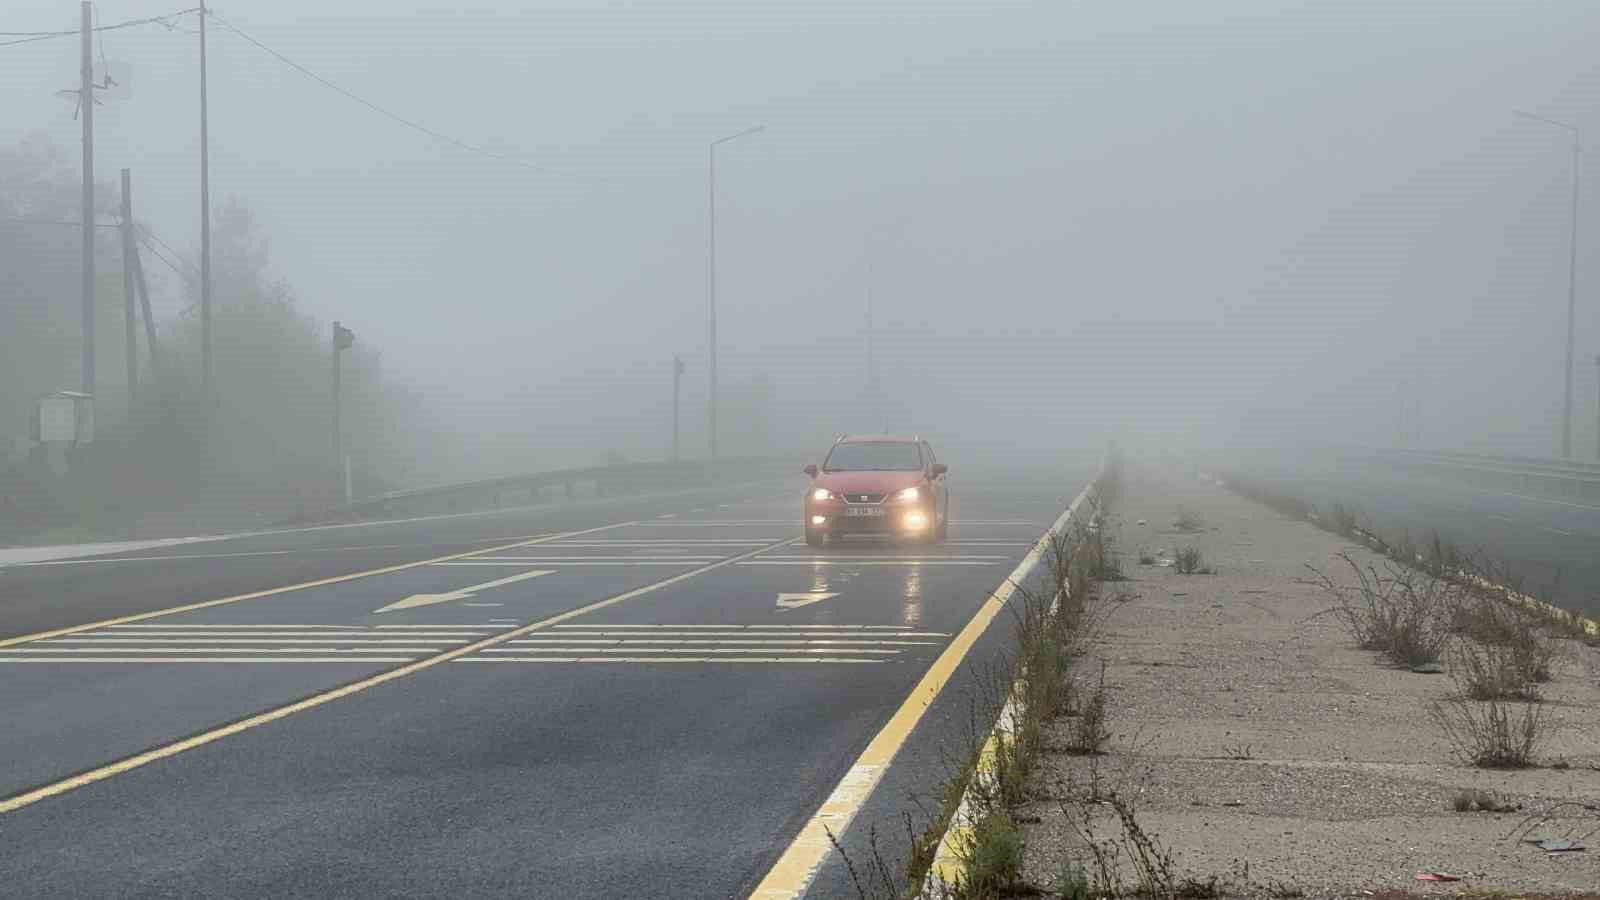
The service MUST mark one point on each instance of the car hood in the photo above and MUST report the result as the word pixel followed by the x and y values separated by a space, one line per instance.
pixel 867 482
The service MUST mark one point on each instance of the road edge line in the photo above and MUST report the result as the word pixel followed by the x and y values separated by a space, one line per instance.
pixel 791 875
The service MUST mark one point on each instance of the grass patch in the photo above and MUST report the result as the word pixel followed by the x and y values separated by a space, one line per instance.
pixel 1090 731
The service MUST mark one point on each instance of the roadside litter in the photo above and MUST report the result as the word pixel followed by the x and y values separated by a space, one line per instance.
pixel 1558 845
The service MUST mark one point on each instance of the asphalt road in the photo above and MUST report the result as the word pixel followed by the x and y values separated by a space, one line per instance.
pixel 1552 544
pixel 629 698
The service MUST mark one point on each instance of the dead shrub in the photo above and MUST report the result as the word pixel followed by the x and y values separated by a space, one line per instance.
pixel 1491 734
pixel 1189 521
pixel 1404 613
pixel 1188 561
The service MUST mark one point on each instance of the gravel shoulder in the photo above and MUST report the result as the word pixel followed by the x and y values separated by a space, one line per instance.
pixel 1261 747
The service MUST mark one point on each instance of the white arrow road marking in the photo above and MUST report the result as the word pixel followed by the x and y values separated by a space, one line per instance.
pixel 790 601
pixel 429 599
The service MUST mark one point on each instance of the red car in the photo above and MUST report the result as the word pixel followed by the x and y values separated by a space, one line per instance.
pixel 878 485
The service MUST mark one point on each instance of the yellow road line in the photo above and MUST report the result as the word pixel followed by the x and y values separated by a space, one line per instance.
pixel 128 764
pixel 791 875
pixel 321 582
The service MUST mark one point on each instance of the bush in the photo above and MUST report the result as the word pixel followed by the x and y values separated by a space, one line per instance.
pixel 1090 732
pixel 1188 561
pixel 1403 613
pixel 1189 521
pixel 1491 734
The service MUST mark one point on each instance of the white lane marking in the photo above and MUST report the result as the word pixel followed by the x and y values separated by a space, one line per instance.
pixel 298 551
pixel 483 604
pixel 667 516
pixel 863 562
pixel 213 639
pixel 566 649
pixel 762 642
pixel 226 631
pixel 416 600
pixel 171 626
pixel 795 601
pixel 661 659
pixel 793 632
pixel 1502 518
pixel 148 660
pixel 70 650
pixel 597 557
pixel 657 542
pixel 564 564
pixel 723 627
pixel 1555 530
pixel 875 556
pixel 174 556
pixel 716 523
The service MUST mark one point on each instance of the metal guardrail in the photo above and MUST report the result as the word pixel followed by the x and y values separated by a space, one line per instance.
pixel 554 486
pixel 1554 478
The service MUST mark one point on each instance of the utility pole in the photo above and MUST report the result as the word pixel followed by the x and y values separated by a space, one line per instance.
pixel 86 107
pixel 149 319
pixel 677 379
pixel 129 326
pixel 711 203
pixel 208 386
pixel 343 338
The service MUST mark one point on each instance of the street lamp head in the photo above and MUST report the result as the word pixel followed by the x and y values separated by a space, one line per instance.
pixel 745 133
pixel 1547 120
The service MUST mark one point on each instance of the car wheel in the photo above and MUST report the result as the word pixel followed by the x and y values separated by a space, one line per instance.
pixel 813 537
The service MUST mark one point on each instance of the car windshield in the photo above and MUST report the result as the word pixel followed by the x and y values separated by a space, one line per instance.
pixel 879 456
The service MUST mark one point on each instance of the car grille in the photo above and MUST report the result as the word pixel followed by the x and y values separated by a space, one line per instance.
pixel 863 498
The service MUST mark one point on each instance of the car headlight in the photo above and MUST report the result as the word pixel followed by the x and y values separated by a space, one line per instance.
pixel 908 495
pixel 822 494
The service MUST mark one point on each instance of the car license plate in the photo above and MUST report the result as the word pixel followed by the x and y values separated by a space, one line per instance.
pixel 863 511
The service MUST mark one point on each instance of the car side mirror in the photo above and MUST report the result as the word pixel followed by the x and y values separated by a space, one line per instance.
pixel 937 469
pixel 810 470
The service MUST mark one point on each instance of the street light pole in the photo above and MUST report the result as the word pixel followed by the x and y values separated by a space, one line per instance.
pixel 677 378
pixel 711 203
pixel 1572 276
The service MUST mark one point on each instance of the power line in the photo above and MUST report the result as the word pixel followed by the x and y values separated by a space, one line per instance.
pixel 415 126
pixel 31 37
pixel 25 220
pixel 149 233
pixel 169 263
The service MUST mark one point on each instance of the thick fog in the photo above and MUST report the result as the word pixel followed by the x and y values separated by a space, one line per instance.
pixel 1173 223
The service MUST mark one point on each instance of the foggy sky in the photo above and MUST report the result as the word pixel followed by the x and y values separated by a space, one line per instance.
pixel 1198 223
